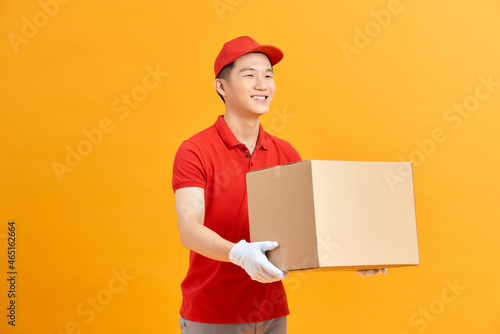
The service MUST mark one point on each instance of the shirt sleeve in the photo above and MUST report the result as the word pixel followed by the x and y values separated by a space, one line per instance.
pixel 188 170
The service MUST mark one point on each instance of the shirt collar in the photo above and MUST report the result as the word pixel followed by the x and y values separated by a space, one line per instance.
pixel 230 139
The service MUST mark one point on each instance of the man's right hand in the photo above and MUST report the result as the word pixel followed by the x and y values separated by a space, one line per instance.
pixel 251 257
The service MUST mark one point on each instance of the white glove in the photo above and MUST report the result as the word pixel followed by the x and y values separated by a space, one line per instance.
pixel 371 272
pixel 251 257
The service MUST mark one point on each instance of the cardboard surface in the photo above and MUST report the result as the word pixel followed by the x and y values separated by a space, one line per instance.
pixel 335 214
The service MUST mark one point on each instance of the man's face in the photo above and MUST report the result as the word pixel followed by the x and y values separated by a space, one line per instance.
pixel 250 86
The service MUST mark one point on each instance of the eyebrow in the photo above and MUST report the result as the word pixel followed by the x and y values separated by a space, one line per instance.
pixel 253 69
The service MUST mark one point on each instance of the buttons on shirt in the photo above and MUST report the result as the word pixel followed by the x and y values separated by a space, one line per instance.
pixel 248 155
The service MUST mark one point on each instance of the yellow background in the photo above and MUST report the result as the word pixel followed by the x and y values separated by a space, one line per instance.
pixel 114 211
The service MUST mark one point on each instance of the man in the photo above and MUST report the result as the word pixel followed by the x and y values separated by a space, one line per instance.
pixel 230 286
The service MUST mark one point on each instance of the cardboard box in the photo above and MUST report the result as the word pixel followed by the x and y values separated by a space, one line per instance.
pixel 335 214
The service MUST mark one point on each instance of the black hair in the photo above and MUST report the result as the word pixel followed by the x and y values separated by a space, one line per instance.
pixel 224 74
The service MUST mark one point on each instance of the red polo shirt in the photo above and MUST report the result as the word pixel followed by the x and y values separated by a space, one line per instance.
pixel 215 291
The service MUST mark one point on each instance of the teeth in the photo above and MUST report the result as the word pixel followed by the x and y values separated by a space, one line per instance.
pixel 259 97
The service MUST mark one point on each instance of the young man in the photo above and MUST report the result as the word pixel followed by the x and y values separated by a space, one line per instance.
pixel 230 286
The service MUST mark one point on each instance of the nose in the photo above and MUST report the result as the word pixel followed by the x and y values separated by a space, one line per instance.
pixel 260 83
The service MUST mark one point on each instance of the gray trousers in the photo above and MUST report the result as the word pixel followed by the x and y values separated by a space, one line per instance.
pixel 273 326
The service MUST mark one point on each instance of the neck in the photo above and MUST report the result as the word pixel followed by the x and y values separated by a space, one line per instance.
pixel 245 129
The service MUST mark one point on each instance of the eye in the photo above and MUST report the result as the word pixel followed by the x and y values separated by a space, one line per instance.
pixel 249 75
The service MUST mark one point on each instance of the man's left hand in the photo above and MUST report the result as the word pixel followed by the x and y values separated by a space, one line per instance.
pixel 371 272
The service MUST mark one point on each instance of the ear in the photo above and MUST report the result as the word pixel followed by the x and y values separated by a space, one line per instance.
pixel 220 86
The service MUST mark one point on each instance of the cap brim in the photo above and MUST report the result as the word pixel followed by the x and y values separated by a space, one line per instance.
pixel 275 54
pixel 226 57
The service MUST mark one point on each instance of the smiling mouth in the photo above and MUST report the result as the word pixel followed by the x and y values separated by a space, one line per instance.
pixel 260 98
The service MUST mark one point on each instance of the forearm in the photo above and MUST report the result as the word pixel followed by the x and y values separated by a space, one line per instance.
pixel 190 204
pixel 204 241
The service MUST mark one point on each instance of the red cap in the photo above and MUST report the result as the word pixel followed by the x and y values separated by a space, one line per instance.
pixel 239 46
